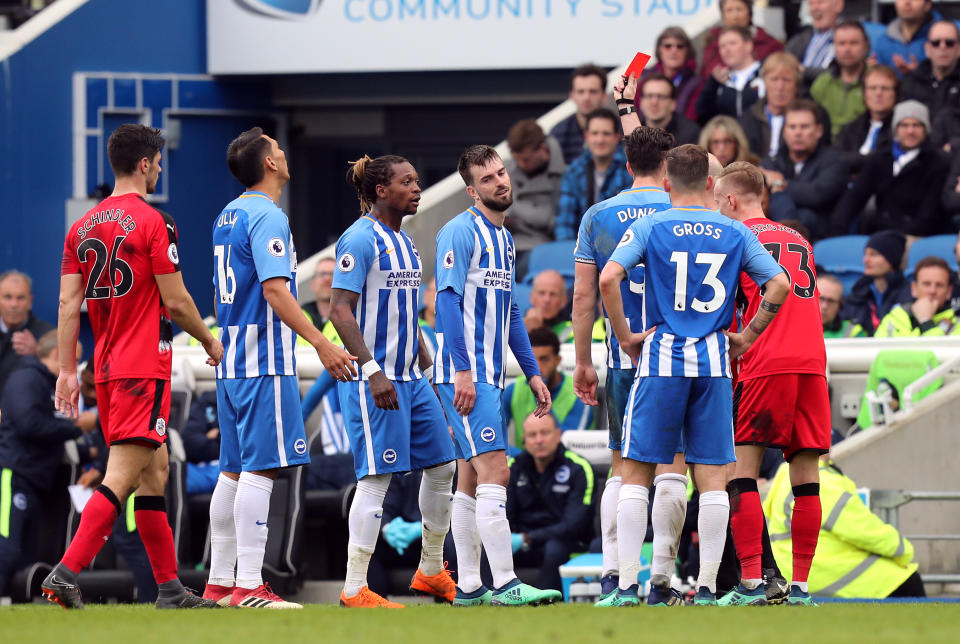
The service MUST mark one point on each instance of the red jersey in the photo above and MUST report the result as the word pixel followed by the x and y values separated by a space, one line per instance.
pixel 117 248
pixel 793 343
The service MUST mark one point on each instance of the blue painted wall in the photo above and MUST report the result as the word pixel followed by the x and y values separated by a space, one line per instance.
pixel 36 117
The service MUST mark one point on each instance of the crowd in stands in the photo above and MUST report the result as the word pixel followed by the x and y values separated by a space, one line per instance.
pixel 856 127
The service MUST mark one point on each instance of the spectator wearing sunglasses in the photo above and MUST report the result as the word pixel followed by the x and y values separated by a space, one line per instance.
pixel 936 81
pixel 677 60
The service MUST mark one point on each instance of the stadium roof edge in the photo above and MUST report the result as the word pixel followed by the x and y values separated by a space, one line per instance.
pixel 14 40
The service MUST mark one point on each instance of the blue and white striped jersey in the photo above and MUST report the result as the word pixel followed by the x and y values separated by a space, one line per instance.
pixel 693 257
pixel 601 229
pixel 476 259
pixel 251 244
pixel 383 266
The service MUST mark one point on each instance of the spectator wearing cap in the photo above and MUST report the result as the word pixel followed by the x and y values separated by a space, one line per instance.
pixel 736 85
pixel 536 170
pixel 736 13
pixel 871 130
pixel 677 60
pixel 806 177
pixel 840 89
pixel 929 313
pixel 657 97
pixel 813 45
pixel 901 45
pixel 831 302
pixel 936 81
pixel 882 286
pixel 907 179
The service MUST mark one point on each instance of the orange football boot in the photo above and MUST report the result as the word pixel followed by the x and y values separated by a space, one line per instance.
pixel 366 598
pixel 440 585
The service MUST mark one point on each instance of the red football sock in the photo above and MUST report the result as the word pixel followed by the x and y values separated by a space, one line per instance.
pixel 805 528
pixel 151 515
pixel 96 524
pixel 746 521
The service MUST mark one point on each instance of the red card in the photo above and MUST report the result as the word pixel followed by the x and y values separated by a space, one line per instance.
pixel 636 67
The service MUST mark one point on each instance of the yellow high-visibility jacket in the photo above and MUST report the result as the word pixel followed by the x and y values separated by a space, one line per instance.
pixel 858 555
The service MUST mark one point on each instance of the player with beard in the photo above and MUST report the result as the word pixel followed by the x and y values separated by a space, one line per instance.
pixel 394 419
pixel 477 320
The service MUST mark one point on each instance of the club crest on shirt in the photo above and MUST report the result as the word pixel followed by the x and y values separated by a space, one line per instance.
pixel 626 239
pixel 20 501
pixel 390 456
pixel 346 263
pixel 448 259
pixel 276 247
pixel 509 257
pixel 173 255
pixel 487 434
pixel 300 446
pixel 563 474
pixel 161 426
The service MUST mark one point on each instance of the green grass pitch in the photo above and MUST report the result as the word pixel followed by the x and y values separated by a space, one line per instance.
pixel 430 624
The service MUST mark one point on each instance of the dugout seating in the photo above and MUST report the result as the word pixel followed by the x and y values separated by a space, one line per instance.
pixel 556 255
pixel 937 245
pixel 841 256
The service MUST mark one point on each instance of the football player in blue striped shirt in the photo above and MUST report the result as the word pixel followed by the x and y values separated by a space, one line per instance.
pixel 258 398
pixel 682 394
pixel 601 228
pixel 477 320
pixel 392 415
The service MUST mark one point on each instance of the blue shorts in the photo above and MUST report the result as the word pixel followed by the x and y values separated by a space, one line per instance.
pixel 395 440
pixel 482 430
pixel 619 382
pixel 667 415
pixel 261 425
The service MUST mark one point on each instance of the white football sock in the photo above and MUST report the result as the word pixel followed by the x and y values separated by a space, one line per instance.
pixel 250 509
pixel 435 504
pixel 712 527
pixel 223 532
pixel 669 511
pixel 631 529
pixel 365 514
pixel 466 538
pixel 608 526
pixel 494 532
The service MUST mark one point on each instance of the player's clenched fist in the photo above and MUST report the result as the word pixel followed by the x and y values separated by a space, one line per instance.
pixel 585 383
pixel 383 392
pixel 337 361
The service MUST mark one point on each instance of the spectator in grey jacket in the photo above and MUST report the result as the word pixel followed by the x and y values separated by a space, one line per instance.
pixel 536 172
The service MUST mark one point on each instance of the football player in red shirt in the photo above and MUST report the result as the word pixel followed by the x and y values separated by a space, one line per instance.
pixel 781 397
pixel 121 257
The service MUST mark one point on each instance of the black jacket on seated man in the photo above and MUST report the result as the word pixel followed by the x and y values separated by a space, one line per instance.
pixel 756 126
pixel 31 450
pixel 815 189
pixel 860 304
pixel 9 359
pixel 553 509
pixel 921 85
pixel 853 135
pixel 683 129
pixel 32 433
pixel 908 203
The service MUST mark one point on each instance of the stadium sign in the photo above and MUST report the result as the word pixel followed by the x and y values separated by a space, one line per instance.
pixel 309 36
